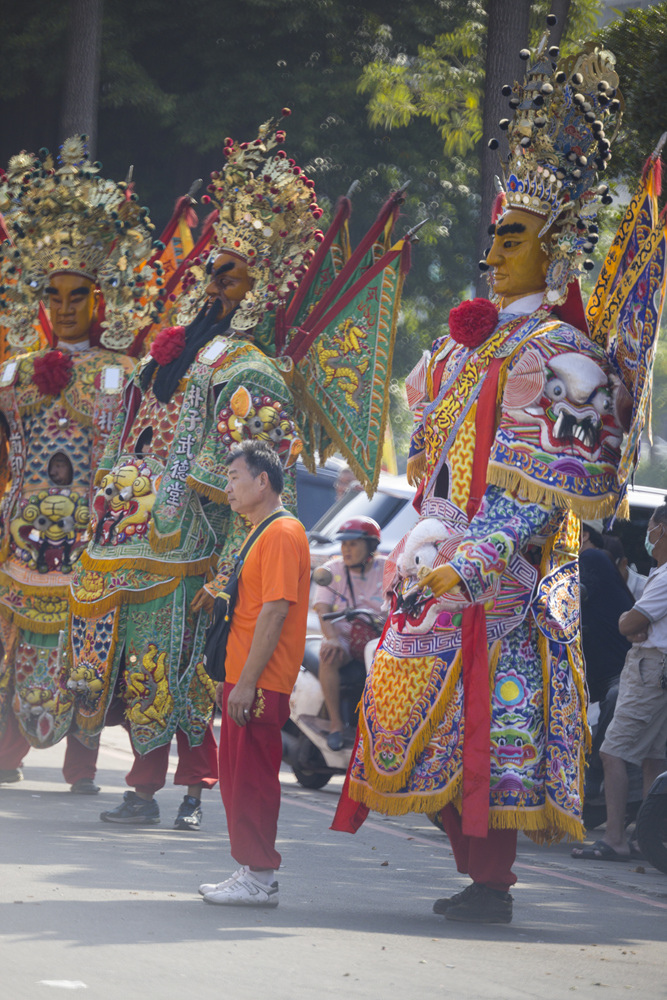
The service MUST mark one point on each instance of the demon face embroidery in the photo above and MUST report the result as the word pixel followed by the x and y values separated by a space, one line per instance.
pixel 564 404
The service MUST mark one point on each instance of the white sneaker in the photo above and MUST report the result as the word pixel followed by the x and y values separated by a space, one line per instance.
pixel 207 887
pixel 246 890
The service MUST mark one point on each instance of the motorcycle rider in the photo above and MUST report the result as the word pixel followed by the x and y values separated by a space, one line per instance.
pixel 356 583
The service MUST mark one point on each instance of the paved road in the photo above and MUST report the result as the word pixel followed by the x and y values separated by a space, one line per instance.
pixel 114 912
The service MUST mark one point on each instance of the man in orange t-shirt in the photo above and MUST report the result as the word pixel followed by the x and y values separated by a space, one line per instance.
pixel 264 650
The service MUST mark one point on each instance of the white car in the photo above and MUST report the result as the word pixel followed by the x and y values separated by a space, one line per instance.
pixel 391 506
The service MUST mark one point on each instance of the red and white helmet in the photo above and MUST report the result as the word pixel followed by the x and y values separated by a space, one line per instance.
pixel 360 527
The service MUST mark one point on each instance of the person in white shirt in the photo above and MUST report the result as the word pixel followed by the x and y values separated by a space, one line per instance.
pixel 638 732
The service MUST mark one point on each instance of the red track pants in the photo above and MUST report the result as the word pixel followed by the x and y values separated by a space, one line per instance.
pixel 80 762
pixel 250 759
pixel 148 774
pixel 196 765
pixel 488 859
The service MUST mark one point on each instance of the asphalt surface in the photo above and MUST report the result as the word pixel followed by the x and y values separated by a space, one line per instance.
pixel 114 912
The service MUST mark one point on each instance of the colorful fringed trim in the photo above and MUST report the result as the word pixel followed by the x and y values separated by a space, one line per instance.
pixel 528 490
pixel 95 609
pixel 196 567
pixel 31 624
pixel 163 543
pixel 394 782
pixel 205 490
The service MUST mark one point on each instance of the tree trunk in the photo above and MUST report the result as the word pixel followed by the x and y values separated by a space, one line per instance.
pixel 79 113
pixel 561 8
pixel 507 33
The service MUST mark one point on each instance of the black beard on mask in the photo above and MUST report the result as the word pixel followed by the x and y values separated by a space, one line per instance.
pixel 204 327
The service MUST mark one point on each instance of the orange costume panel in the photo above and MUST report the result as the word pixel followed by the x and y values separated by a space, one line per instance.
pixel 276 568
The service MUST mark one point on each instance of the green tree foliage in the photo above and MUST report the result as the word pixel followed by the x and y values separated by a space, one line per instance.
pixel 639 42
pixel 442 83
pixel 178 78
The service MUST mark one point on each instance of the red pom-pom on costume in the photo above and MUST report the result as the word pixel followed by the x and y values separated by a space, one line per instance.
pixel 472 322
pixel 52 371
pixel 168 344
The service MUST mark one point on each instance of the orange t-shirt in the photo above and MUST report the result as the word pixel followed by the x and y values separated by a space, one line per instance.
pixel 276 568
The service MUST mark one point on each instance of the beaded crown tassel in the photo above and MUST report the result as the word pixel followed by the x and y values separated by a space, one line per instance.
pixel 558 146
pixel 267 215
pixel 67 218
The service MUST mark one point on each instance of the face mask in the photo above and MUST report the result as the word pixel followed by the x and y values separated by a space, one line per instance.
pixel 648 544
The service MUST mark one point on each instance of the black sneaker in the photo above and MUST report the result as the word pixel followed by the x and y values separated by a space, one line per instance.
pixel 133 810
pixel 189 814
pixel 442 905
pixel 84 786
pixel 481 905
pixel 11 775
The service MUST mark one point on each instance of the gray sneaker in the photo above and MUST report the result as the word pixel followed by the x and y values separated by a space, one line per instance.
pixel 133 811
pixel 8 777
pixel 206 887
pixel 189 814
pixel 84 786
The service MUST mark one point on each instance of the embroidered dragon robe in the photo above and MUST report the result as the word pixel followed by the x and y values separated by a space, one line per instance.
pixel 158 516
pixel 520 440
pixel 44 525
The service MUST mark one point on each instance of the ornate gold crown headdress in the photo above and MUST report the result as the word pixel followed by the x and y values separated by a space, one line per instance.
pixel 557 148
pixel 267 216
pixel 69 219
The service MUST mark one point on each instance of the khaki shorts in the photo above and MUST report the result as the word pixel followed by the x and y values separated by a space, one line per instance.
pixel 638 730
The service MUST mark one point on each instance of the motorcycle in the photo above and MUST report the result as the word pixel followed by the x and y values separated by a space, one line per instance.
pixel 305 733
pixel 651 829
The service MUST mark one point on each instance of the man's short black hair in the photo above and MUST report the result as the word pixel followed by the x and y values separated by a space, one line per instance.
pixel 260 457
pixel 594 536
pixel 659 515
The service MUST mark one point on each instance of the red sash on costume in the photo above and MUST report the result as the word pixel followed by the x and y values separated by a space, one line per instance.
pixel 474 646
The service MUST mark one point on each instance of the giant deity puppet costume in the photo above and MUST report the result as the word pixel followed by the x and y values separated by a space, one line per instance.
pixel 475 706
pixel 159 516
pixel 80 243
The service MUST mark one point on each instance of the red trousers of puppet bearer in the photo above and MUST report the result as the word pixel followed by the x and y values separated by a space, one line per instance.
pixel 80 761
pixel 250 759
pixel 487 859
pixel 196 765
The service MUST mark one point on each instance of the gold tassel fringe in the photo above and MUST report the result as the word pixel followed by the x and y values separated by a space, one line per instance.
pixel 30 409
pixel 79 416
pixel 546 825
pixel 4 548
pixel 212 492
pixel 624 509
pixel 196 567
pixel 394 782
pixel 526 489
pixel 163 543
pixel 23 621
pixel 95 609
pixel 27 588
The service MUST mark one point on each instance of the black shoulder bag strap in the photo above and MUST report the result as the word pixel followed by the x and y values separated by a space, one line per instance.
pixel 223 607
